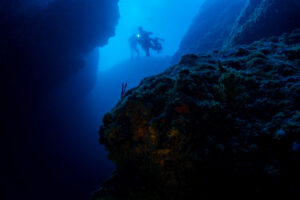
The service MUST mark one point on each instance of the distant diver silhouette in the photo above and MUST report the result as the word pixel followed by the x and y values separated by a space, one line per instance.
pixel 156 43
pixel 145 41
pixel 134 41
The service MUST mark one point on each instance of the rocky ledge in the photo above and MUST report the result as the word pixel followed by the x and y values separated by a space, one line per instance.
pixel 220 125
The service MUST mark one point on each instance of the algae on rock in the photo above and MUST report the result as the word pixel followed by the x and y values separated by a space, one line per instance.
pixel 222 125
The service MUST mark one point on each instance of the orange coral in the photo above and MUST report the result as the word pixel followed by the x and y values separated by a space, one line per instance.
pixel 139 133
pixel 152 135
pixel 163 152
pixel 173 133
pixel 183 109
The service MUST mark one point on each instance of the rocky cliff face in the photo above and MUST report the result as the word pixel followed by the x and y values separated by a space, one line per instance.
pixel 238 22
pixel 220 125
pixel 211 26
pixel 262 19
pixel 42 46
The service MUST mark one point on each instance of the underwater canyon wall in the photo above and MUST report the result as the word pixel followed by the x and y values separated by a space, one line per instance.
pixel 262 19
pixel 221 123
pixel 210 27
pixel 48 64
pixel 238 22
pixel 217 125
pixel 44 45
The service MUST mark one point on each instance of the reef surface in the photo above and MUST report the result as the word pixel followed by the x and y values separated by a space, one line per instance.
pixel 219 125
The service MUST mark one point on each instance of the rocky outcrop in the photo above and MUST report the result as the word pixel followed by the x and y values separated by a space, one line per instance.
pixel 265 18
pixel 209 31
pixel 42 46
pixel 221 125
pixel 238 22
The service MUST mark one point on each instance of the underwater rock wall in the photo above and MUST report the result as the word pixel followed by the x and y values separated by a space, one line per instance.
pixel 43 46
pixel 208 31
pixel 262 19
pixel 238 22
pixel 220 125
pixel 42 49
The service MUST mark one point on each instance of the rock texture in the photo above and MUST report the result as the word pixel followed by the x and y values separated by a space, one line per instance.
pixel 221 125
pixel 265 18
pixel 209 31
pixel 238 22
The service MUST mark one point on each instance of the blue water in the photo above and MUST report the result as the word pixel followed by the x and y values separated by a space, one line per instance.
pixel 57 154
pixel 167 19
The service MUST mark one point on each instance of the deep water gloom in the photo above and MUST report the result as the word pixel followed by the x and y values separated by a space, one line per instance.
pixel 150 100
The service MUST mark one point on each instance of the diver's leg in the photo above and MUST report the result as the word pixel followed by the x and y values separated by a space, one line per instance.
pixel 147 50
pixel 132 53
pixel 137 53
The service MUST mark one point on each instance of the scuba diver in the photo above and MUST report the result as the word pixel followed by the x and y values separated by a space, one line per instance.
pixel 145 41
pixel 157 46
pixel 133 41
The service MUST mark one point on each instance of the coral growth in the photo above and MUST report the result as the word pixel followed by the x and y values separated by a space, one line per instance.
pixel 213 126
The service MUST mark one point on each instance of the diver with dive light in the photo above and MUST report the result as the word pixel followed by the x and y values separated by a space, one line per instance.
pixel 145 41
